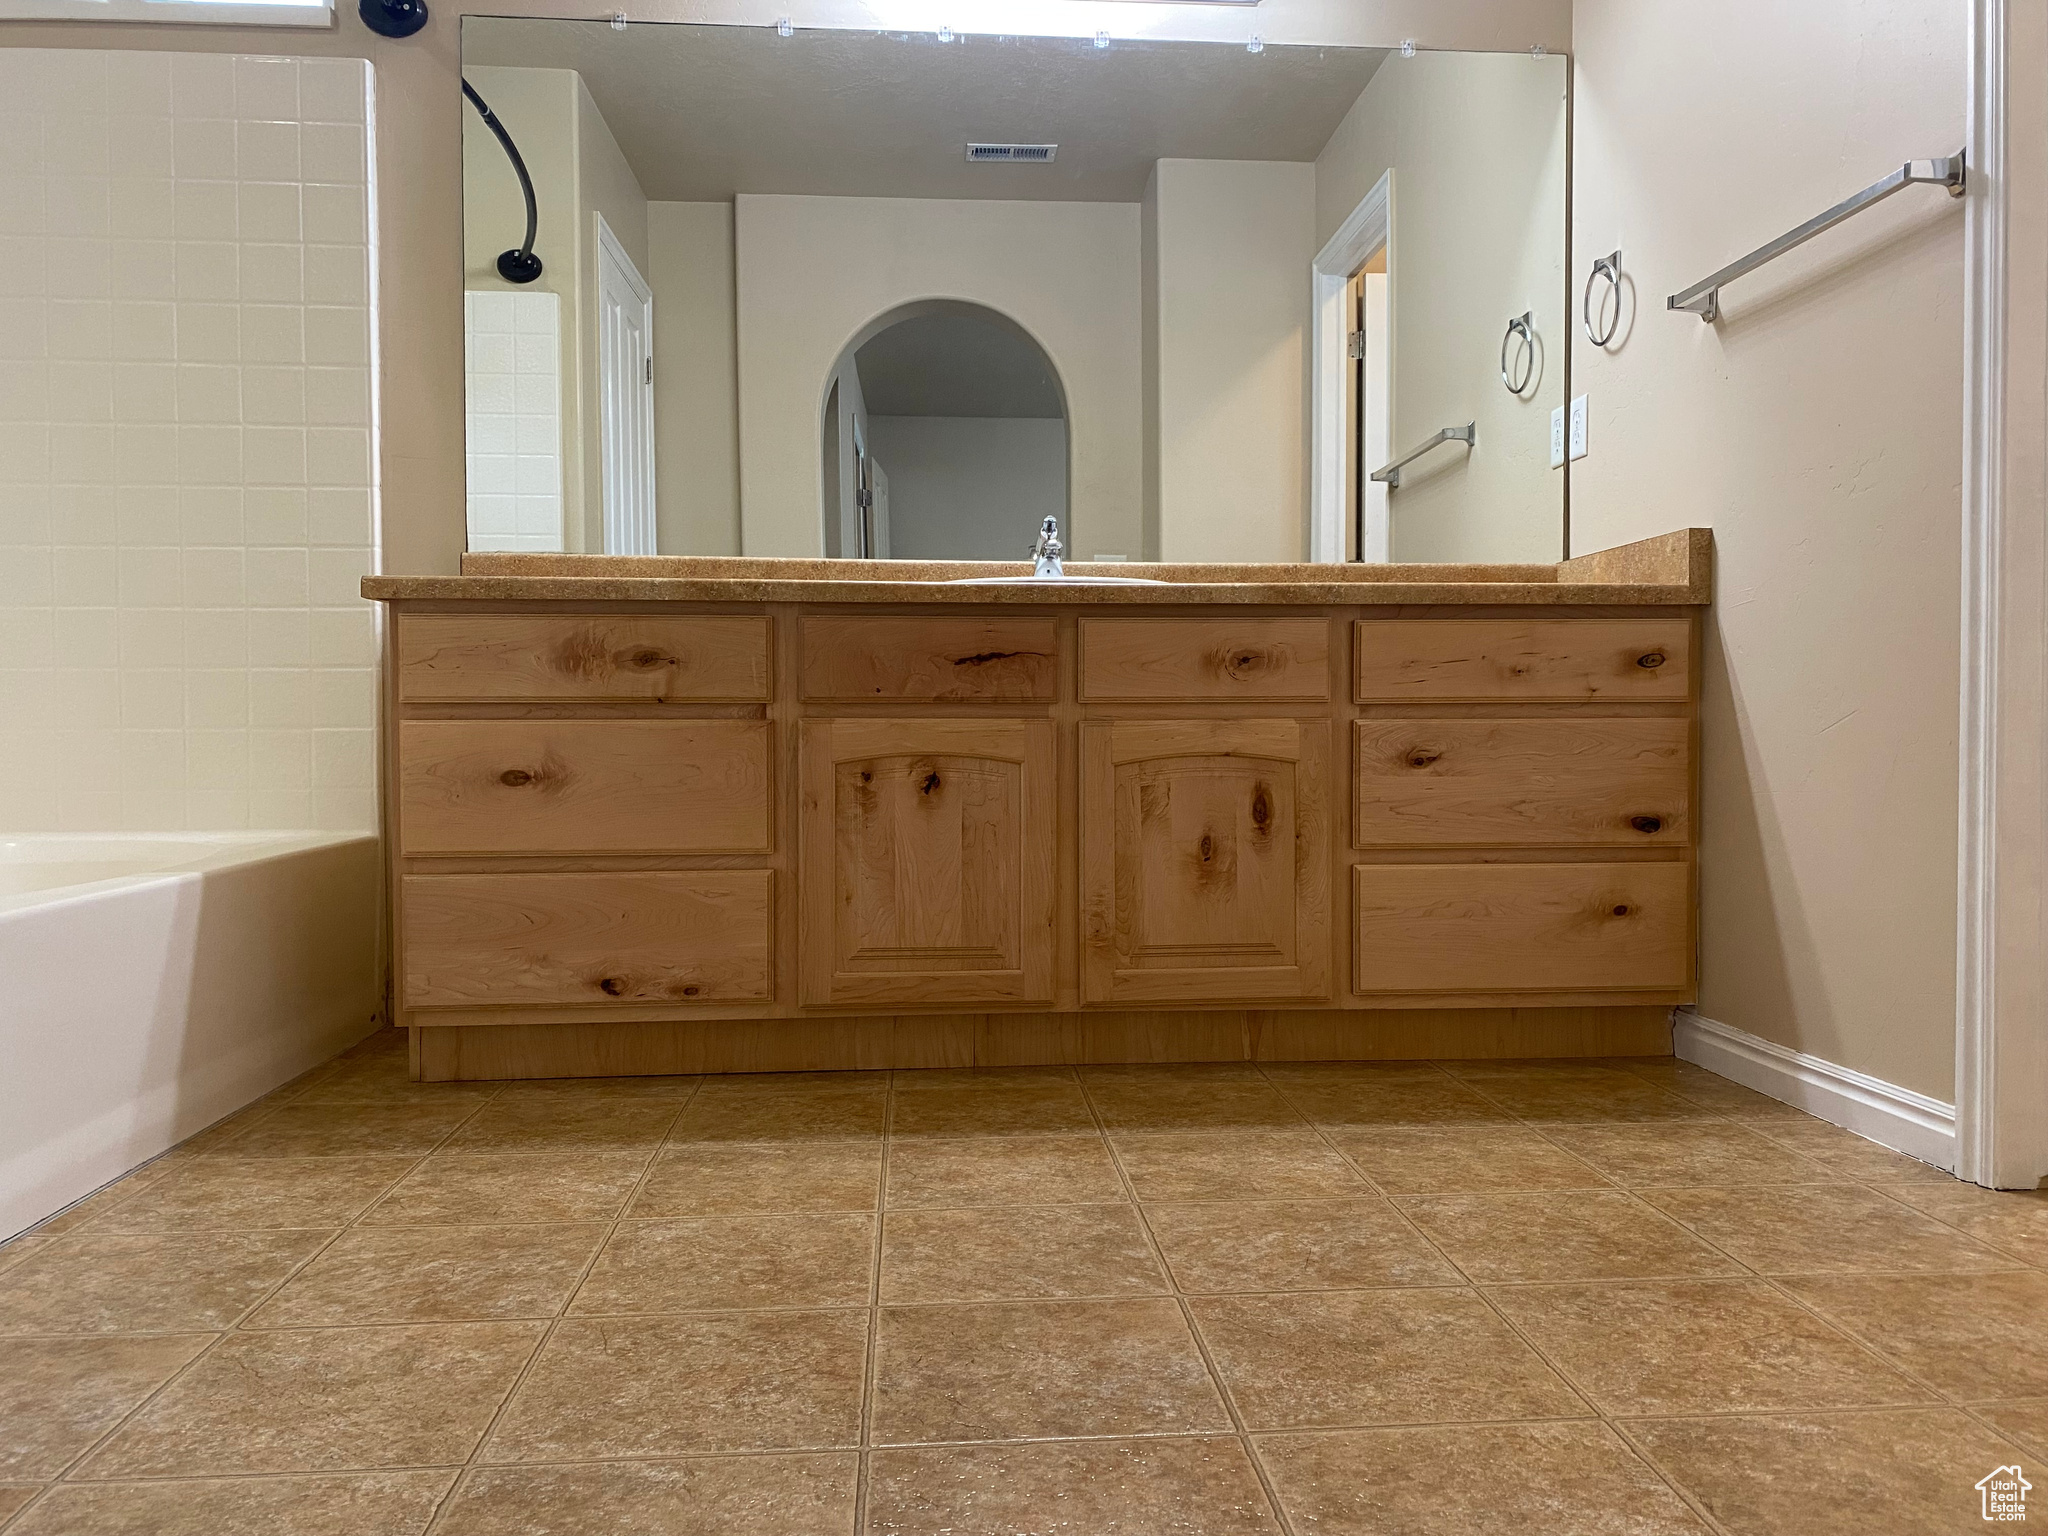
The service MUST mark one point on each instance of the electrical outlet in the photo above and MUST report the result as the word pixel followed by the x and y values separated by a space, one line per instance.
pixel 1557 438
pixel 1578 428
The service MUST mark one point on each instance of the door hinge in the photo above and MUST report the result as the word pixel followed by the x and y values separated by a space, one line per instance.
pixel 1354 344
pixel 648 376
pixel 864 498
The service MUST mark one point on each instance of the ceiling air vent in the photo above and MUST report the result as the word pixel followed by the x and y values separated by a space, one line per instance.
pixel 1033 154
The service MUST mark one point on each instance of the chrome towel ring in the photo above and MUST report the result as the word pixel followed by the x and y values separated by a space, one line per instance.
pixel 1608 267
pixel 1519 326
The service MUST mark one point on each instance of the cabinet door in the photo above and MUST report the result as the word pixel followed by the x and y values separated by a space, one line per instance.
pixel 928 861
pixel 1205 860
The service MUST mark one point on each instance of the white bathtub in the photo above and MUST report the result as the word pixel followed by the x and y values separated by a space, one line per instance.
pixel 151 983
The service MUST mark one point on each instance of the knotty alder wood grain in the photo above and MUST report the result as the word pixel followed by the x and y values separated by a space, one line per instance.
pixel 1228 660
pixel 506 658
pixel 682 937
pixel 1532 660
pixel 1204 860
pixel 994 659
pixel 584 786
pixel 1521 782
pixel 1505 928
pixel 928 848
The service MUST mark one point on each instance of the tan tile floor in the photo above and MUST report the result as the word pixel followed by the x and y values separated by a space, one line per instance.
pixel 1578 1299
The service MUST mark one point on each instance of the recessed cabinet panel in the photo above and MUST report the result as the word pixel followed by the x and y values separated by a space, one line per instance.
pixel 941 659
pixel 928 851
pixel 1203 860
pixel 1498 928
pixel 626 658
pixel 1526 660
pixel 1517 783
pixel 694 937
pixel 584 786
pixel 1252 661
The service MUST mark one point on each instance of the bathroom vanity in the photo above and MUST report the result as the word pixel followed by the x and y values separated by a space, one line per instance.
pixel 700 814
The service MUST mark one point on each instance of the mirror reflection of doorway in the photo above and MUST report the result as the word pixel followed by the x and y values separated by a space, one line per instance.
pixel 944 438
pixel 1371 436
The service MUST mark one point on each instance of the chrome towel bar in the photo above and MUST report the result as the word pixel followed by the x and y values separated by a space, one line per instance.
pixel 1390 475
pixel 1704 297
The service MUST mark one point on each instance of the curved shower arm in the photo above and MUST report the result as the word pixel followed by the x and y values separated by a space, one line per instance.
pixel 520 266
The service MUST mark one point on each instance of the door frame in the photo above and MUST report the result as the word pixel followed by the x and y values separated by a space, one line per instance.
pixel 1364 232
pixel 625 448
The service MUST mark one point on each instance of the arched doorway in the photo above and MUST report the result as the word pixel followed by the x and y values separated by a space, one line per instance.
pixel 944 436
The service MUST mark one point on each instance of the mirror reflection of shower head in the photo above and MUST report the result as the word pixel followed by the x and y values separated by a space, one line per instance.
pixel 521 265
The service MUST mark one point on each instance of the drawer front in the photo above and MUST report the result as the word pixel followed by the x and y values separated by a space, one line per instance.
pixel 1247 661
pixel 1495 928
pixel 962 660
pixel 584 786
pixel 506 658
pixel 1520 783
pixel 704 936
pixel 1575 660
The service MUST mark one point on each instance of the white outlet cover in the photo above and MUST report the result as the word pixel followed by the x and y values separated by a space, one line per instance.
pixel 1577 448
pixel 1557 438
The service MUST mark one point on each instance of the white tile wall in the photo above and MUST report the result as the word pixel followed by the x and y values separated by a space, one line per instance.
pixel 514 416
pixel 185 442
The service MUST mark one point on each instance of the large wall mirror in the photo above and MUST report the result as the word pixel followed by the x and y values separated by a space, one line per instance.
pixel 894 296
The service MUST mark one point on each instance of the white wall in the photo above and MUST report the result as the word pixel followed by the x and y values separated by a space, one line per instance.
pixel 812 271
pixel 186 486
pixel 970 487
pixel 1233 242
pixel 1817 430
pixel 1477 145
pixel 696 384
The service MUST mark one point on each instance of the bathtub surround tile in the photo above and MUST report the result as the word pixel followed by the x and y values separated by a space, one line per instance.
pixel 460 1188
pixel 434 1274
pixel 236 1194
pixel 1039 1370
pixel 1132 1487
pixel 1899 1470
pixel 344 1130
pixel 1699 1346
pixel 1461 1159
pixel 1233 1165
pixel 1974 1337
pixel 713 1179
pixel 1307 1245
pixel 1558 1479
pixel 58 1396
pixel 1646 1156
pixel 1562 1235
pixel 325 1399
pixel 719 1262
pixel 566 1125
pixel 1822 1230
pixel 1342 1358
pixel 1041 1252
pixel 1002 1171
pixel 706 1496
pixel 359 1504
pixel 119 1283
pixel 670 1386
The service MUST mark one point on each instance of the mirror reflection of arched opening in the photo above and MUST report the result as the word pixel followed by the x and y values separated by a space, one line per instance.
pixel 944 437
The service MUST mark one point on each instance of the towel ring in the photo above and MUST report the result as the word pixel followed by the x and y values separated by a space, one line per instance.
pixel 1608 267
pixel 1519 326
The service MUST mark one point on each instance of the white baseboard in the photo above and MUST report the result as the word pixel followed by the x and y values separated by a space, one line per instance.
pixel 1895 1117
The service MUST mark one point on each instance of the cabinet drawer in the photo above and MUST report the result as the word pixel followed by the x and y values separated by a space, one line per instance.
pixel 584 786
pixel 698 937
pixel 1205 660
pixel 1525 782
pixel 494 658
pixel 944 659
pixel 1495 928
pixel 1575 660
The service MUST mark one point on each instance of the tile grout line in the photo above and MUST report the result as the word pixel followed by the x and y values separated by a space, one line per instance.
pixel 1243 1435
pixel 548 1330
pixel 863 1476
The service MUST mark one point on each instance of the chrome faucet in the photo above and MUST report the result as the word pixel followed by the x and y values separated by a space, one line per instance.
pixel 1045 554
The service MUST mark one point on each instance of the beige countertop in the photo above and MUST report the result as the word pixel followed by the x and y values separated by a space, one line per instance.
pixel 1674 569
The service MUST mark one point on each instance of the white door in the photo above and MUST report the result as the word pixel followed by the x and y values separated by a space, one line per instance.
pixel 625 384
